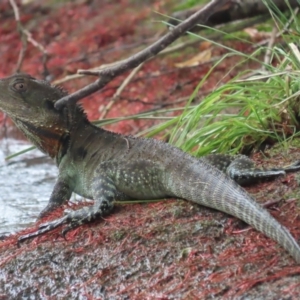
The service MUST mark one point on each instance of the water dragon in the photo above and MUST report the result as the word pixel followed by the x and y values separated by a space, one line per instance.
pixel 105 166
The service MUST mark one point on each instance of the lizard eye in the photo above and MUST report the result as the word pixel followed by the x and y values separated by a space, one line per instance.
pixel 20 86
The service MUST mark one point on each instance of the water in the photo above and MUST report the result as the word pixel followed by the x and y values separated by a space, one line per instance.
pixel 26 183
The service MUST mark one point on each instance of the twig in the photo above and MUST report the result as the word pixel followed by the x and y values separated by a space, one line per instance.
pixel 22 53
pixel 271 203
pixel 109 74
pixel 295 51
pixel 284 30
pixel 267 58
pixel 19 28
pixel 96 69
pixel 120 90
pixel 238 25
pixel 15 9
pixel 268 41
pixel 26 36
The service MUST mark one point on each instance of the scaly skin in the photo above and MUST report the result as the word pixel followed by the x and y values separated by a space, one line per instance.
pixel 105 166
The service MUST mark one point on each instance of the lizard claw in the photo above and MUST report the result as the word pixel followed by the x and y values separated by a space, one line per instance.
pixel 66 230
pixel 43 228
pixel 69 227
pixel 295 166
pixel 52 224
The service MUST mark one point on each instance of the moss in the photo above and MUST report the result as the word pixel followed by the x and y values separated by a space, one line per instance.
pixel 118 235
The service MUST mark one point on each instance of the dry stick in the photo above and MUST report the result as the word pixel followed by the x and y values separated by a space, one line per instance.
pixel 26 36
pixel 276 33
pixel 15 9
pixel 120 90
pixel 109 74
pixel 239 25
pixel 267 58
pixel 269 42
pixel 295 51
pixel 95 69
pixel 271 203
pixel 279 33
pixel 24 40
pixel 22 51
pixel 190 43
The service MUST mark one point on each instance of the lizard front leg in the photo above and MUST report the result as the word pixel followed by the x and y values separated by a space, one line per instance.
pixel 104 193
pixel 61 193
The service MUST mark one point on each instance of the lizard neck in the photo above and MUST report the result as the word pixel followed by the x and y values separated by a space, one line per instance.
pixel 52 139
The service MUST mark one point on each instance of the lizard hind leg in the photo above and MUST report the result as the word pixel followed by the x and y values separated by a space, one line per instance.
pixel 244 172
pixel 242 169
pixel 294 167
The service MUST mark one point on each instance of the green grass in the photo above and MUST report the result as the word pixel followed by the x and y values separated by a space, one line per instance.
pixel 262 109
pixel 189 4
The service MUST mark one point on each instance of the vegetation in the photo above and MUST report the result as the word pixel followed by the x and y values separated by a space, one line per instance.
pixel 244 113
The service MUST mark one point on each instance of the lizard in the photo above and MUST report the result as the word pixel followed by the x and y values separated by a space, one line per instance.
pixel 104 166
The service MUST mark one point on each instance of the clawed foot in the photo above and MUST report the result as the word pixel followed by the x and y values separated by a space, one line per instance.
pixel 72 219
pixel 43 228
pixel 293 167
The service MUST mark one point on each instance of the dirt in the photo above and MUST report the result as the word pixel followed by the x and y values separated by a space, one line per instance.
pixel 166 250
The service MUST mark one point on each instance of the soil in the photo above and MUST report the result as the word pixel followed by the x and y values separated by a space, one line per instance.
pixel 171 249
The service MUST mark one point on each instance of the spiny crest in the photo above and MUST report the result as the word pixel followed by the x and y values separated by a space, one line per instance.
pixel 62 90
pixel 81 110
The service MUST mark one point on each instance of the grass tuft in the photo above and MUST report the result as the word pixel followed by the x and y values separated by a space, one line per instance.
pixel 245 114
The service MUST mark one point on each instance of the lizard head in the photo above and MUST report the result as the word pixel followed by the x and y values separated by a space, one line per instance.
pixel 24 97
pixel 30 104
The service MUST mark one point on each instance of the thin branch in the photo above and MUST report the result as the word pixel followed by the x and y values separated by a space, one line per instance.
pixel 120 90
pixel 15 9
pixel 23 40
pixel 26 36
pixel 78 75
pixel 267 58
pixel 270 42
pixel 270 203
pixel 22 51
pixel 281 32
pixel 236 26
pixel 109 74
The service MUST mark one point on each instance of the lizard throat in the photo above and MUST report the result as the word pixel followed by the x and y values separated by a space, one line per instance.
pixel 51 140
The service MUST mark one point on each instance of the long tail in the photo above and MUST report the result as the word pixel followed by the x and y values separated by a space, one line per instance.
pixel 205 185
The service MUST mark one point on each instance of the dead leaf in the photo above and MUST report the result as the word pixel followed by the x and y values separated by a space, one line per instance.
pixel 204 45
pixel 200 58
pixel 255 34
